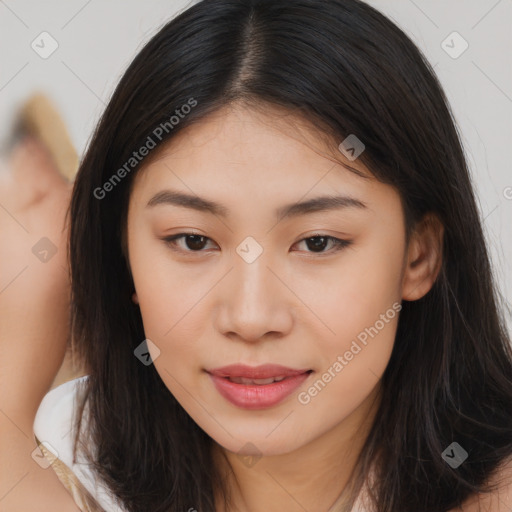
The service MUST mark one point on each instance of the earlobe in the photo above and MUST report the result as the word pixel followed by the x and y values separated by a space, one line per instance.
pixel 424 258
pixel 135 299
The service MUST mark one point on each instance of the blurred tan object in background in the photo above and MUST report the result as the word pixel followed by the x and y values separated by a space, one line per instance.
pixel 39 118
pixel 38 167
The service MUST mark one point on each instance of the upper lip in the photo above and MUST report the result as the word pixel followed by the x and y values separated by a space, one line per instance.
pixel 264 371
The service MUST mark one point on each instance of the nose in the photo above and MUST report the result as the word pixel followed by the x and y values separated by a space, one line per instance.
pixel 255 302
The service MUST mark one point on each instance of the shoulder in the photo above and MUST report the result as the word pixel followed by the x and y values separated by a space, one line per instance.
pixel 54 418
pixel 499 500
pixel 53 428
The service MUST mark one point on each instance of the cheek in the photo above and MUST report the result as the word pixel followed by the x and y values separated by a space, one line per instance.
pixel 166 291
pixel 361 308
pixel 173 305
pixel 358 303
pixel 170 308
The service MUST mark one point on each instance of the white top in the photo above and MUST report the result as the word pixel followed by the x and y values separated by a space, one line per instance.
pixel 53 428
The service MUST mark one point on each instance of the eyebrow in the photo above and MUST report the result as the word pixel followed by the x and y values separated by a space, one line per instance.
pixel 317 204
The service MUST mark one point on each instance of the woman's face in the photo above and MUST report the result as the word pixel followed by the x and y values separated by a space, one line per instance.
pixel 255 290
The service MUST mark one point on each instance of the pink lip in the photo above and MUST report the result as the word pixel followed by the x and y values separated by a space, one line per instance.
pixel 254 396
pixel 264 371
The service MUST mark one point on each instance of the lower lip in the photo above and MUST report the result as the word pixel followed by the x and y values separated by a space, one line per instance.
pixel 253 396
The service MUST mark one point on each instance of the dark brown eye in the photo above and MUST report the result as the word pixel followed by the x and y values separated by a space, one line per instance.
pixel 318 243
pixel 193 242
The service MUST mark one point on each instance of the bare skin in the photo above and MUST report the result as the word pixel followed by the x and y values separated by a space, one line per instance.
pixel 290 306
pixel 42 337
pixel 211 308
pixel 34 305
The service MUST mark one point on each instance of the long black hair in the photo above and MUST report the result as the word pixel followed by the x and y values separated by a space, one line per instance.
pixel 346 69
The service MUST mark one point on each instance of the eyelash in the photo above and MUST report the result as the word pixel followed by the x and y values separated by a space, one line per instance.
pixel 171 241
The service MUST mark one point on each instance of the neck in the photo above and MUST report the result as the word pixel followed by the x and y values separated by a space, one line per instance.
pixel 313 477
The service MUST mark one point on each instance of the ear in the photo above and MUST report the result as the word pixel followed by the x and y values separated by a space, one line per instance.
pixel 135 299
pixel 424 257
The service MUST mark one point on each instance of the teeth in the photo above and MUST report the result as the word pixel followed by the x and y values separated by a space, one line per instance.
pixel 260 382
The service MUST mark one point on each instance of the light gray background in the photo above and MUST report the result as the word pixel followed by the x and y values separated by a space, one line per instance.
pixel 98 38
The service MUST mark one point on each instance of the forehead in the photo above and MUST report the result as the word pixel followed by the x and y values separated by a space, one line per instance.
pixel 238 147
